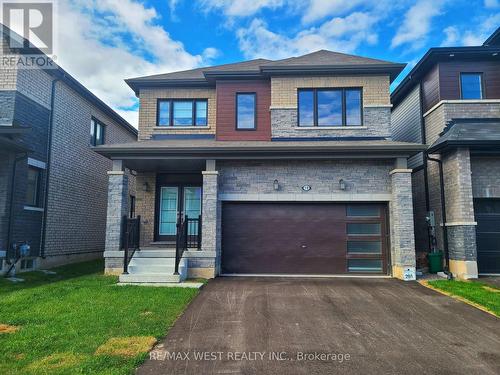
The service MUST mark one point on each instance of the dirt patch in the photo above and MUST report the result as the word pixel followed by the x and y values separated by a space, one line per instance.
pixel 127 346
pixel 146 313
pixel 6 328
pixel 56 361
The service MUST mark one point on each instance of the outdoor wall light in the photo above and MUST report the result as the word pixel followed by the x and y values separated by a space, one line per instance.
pixel 276 185
pixel 342 184
pixel 145 186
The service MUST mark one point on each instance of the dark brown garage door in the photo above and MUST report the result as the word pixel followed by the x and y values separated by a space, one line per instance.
pixel 487 213
pixel 303 238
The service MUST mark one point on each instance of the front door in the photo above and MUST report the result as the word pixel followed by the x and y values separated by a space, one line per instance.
pixel 176 201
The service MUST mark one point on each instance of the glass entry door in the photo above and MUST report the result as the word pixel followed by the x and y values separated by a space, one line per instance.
pixel 177 201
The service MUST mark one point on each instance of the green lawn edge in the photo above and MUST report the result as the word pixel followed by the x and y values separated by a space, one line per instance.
pixel 476 292
pixel 64 317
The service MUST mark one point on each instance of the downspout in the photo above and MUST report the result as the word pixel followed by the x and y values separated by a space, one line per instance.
pixel 423 135
pixel 47 170
pixel 443 214
pixel 10 228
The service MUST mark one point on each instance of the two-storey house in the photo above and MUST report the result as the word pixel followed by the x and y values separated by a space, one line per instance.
pixel 53 186
pixel 281 168
pixel 450 101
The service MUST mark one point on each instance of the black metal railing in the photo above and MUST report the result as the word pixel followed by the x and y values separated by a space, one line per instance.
pixel 188 237
pixel 130 239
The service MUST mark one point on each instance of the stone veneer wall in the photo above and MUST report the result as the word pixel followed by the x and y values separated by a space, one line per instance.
pixel 148 99
pixel 256 178
pixel 401 222
pixel 376 123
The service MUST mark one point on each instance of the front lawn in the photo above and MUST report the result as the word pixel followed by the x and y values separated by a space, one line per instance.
pixel 79 321
pixel 478 293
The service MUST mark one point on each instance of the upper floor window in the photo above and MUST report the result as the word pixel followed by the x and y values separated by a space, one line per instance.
pixel 471 86
pixel 329 107
pixel 180 112
pixel 33 186
pixel 96 132
pixel 246 111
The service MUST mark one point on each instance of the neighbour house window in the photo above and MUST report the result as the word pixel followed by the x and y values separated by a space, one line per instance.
pixel 471 86
pixel 180 112
pixel 246 111
pixel 33 186
pixel 96 132
pixel 329 107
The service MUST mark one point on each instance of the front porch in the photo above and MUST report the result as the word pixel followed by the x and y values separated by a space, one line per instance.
pixel 168 238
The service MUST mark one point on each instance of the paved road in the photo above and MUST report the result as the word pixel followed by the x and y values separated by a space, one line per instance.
pixel 360 326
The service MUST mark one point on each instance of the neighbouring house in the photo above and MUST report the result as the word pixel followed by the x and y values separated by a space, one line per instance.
pixel 53 187
pixel 265 167
pixel 450 101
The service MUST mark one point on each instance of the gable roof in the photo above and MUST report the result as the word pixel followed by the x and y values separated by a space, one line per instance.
pixel 319 62
pixel 64 76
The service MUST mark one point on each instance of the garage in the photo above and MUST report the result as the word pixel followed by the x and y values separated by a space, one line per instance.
pixel 304 238
pixel 487 212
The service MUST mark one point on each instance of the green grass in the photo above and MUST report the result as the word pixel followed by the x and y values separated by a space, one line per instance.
pixel 476 292
pixel 64 318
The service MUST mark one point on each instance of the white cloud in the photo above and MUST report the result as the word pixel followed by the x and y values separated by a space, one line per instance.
pixel 102 42
pixel 417 23
pixel 452 36
pixel 318 9
pixel 492 3
pixel 342 34
pixel 477 35
pixel 240 8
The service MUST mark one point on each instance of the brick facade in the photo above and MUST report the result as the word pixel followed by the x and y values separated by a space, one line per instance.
pixel 284 89
pixel 77 195
pixel 485 176
pixel 148 100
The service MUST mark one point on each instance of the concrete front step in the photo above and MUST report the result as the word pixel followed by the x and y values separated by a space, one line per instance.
pixel 152 278
pixel 156 253
pixel 162 269
pixel 152 261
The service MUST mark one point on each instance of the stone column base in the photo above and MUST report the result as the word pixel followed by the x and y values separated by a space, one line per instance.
pixel 406 273
pixel 202 273
pixel 464 269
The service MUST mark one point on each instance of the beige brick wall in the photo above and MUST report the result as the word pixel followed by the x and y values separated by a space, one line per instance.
pixel 145 205
pixel 148 103
pixel 284 89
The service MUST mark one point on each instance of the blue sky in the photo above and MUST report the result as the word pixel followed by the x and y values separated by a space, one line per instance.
pixel 102 42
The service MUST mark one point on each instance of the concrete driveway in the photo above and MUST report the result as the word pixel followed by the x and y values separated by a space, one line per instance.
pixel 355 326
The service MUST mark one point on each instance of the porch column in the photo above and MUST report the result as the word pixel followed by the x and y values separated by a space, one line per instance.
pixel 460 221
pixel 401 222
pixel 117 206
pixel 210 215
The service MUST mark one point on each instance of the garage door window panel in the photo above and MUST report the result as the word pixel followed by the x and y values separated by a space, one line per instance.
pixel 364 247
pixel 364 265
pixel 364 229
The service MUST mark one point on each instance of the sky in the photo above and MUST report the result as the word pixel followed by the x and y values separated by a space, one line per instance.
pixel 103 42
